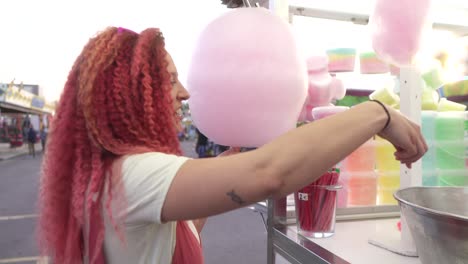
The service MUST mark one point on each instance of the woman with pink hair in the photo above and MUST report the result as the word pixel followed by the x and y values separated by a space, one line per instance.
pixel 115 187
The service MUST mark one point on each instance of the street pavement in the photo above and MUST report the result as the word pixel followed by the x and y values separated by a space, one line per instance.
pixel 18 195
pixel 7 153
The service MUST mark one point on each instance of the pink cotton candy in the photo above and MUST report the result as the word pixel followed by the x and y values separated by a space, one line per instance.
pixel 247 81
pixel 397 28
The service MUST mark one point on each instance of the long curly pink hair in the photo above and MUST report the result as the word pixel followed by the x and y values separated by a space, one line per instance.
pixel 116 101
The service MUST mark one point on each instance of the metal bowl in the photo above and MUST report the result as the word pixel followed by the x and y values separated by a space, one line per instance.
pixel 438 220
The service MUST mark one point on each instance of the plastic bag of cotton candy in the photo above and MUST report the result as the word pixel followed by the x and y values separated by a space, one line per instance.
pixel 398 28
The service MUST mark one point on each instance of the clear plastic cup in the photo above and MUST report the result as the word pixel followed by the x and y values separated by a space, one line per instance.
pixel 429 166
pixel 429 158
pixel 428 123
pixel 453 177
pixel 450 126
pixel 370 63
pixel 316 210
pixel 362 188
pixel 450 155
pixel 342 194
pixel 430 178
pixel 385 156
pixel 362 159
pixel 387 183
pixel 341 59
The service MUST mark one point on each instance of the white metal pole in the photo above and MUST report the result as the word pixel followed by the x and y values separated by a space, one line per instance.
pixel 411 87
pixel 280 8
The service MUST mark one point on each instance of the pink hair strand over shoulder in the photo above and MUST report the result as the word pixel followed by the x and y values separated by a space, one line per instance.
pixel 116 102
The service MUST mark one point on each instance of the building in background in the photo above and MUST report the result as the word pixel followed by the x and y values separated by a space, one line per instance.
pixel 20 106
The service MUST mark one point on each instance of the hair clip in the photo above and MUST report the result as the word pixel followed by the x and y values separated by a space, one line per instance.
pixel 121 29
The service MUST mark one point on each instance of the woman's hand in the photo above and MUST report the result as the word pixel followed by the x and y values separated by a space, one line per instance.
pixel 406 137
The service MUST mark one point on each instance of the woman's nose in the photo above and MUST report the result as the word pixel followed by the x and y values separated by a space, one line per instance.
pixel 183 93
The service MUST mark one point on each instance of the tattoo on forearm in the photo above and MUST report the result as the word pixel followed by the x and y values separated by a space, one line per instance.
pixel 235 198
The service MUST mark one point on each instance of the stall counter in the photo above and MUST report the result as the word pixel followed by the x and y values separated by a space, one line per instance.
pixel 350 242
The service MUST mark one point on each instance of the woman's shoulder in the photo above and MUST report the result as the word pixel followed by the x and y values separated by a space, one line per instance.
pixel 152 156
pixel 151 161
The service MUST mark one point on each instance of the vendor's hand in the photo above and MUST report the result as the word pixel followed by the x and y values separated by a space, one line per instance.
pixel 230 151
pixel 406 137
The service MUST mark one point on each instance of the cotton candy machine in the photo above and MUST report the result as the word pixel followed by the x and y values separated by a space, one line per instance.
pixel 438 220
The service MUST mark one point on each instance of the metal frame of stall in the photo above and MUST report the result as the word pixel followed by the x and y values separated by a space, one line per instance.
pixel 292 246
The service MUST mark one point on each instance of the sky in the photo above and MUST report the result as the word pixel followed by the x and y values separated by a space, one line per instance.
pixel 40 39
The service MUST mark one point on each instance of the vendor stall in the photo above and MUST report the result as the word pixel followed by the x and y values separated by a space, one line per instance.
pixel 14 99
pixel 369 230
pixel 20 108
